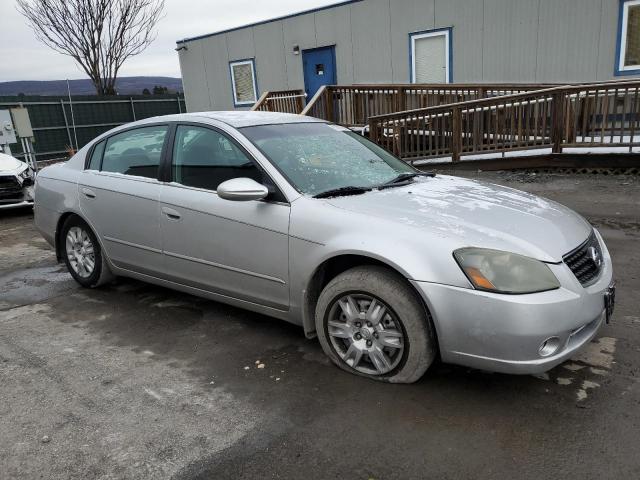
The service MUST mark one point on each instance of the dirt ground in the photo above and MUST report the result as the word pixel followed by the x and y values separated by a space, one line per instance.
pixel 136 381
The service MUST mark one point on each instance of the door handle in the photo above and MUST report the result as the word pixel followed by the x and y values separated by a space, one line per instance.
pixel 88 193
pixel 171 213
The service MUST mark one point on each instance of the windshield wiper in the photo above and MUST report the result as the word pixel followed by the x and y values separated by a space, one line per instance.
pixel 336 192
pixel 404 177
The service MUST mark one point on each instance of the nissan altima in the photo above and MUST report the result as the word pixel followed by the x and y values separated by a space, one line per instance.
pixel 303 220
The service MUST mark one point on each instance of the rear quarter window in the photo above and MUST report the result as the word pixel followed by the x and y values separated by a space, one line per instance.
pixel 96 156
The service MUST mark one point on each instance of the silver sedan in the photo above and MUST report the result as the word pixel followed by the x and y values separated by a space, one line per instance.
pixel 306 221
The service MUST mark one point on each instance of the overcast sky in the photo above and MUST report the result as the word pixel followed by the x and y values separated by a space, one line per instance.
pixel 23 58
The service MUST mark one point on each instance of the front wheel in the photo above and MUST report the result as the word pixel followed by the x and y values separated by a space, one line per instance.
pixel 371 323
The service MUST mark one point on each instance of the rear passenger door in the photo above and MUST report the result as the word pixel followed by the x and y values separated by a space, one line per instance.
pixel 236 249
pixel 119 194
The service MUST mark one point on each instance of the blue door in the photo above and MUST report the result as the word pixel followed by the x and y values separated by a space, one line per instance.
pixel 319 66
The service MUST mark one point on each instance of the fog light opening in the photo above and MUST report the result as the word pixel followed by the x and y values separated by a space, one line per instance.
pixel 549 346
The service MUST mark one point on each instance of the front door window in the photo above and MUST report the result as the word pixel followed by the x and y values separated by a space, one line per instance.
pixel 204 158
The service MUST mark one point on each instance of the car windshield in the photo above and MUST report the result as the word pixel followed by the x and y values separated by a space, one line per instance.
pixel 319 157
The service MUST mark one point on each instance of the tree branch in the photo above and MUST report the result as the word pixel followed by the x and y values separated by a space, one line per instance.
pixel 100 35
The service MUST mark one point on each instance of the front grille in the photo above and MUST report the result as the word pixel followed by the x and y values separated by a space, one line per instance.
pixel 586 261
pixel 10 189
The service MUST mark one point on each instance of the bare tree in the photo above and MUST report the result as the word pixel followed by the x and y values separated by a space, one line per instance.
pixel 99 34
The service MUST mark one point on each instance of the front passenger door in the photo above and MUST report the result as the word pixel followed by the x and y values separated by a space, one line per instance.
pixel 236 249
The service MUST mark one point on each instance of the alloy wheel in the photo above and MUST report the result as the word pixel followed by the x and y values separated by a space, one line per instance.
pixel 366 334
pixel 80 252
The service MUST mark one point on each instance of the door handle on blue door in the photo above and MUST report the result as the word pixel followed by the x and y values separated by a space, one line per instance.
pixel 88 193
pixel 171 213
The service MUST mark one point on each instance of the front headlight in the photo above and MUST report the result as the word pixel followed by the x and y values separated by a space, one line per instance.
pixel 25 173
pixel 504 272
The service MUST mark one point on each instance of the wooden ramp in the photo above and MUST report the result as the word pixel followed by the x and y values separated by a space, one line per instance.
pixel 482 122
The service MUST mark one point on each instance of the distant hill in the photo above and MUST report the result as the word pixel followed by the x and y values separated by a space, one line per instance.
pixel 124 86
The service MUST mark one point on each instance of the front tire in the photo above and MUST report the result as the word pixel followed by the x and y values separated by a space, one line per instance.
pixel 82 253
pixel 371 323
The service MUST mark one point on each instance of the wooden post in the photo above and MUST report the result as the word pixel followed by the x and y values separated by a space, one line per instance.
pixel 373 131
pixel 328 93
pixel 300 101
pixel 358 115
pixel 557 116
pixel 456 134
pixel 402 91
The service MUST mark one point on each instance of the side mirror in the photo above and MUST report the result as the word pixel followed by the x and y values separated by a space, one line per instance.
pixel 242 190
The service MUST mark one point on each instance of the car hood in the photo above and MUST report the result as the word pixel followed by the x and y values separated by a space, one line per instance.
pixel 477 214
pixel 10 165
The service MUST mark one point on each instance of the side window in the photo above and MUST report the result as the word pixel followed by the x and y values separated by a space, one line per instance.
pixel 204 158
pixel 96 156
pixel 629 38
pixel 135 152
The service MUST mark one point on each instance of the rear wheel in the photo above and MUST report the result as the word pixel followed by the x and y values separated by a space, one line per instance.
pixel 371 323
pixel 82 253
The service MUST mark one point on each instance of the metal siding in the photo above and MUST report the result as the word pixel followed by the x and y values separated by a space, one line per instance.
pixel 509 40
pixel 493 41
pixel 406 17
pixel 240 47
pixel 299 31
pixel 333 26
pixel 371 42
pixel 194 78
pixel 240 44
pixel 568 40
pixel 216 62
pixel 271 68
pixel 607 40
pixel 466 19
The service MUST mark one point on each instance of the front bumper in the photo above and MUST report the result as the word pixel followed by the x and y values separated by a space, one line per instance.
pixel 504 333
pixel 15 195
pixel 22 204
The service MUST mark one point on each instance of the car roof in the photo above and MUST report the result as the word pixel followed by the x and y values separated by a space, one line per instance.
pixel 239 119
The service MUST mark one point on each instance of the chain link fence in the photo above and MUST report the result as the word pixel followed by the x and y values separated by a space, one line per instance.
pixel 60 125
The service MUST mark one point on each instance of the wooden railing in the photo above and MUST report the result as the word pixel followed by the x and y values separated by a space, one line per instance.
pixel 285 101
pixel 353 105
pixel 597 115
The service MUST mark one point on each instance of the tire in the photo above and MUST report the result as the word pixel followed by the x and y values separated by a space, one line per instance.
pixel 366 289
pixel 74 228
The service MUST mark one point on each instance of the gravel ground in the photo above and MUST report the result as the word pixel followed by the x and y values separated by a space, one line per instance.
pixel 136 381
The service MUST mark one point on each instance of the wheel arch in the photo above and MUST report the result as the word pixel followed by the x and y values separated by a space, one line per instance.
pixel 333 266
pixel 58 233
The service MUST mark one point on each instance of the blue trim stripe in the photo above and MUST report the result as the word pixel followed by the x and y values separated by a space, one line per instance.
pixel 616 66
pixel 262 22
pixel 445 29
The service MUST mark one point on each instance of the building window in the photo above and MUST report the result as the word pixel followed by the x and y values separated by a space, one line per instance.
pixel 243 82
pixel 628 61
pixel 430 54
